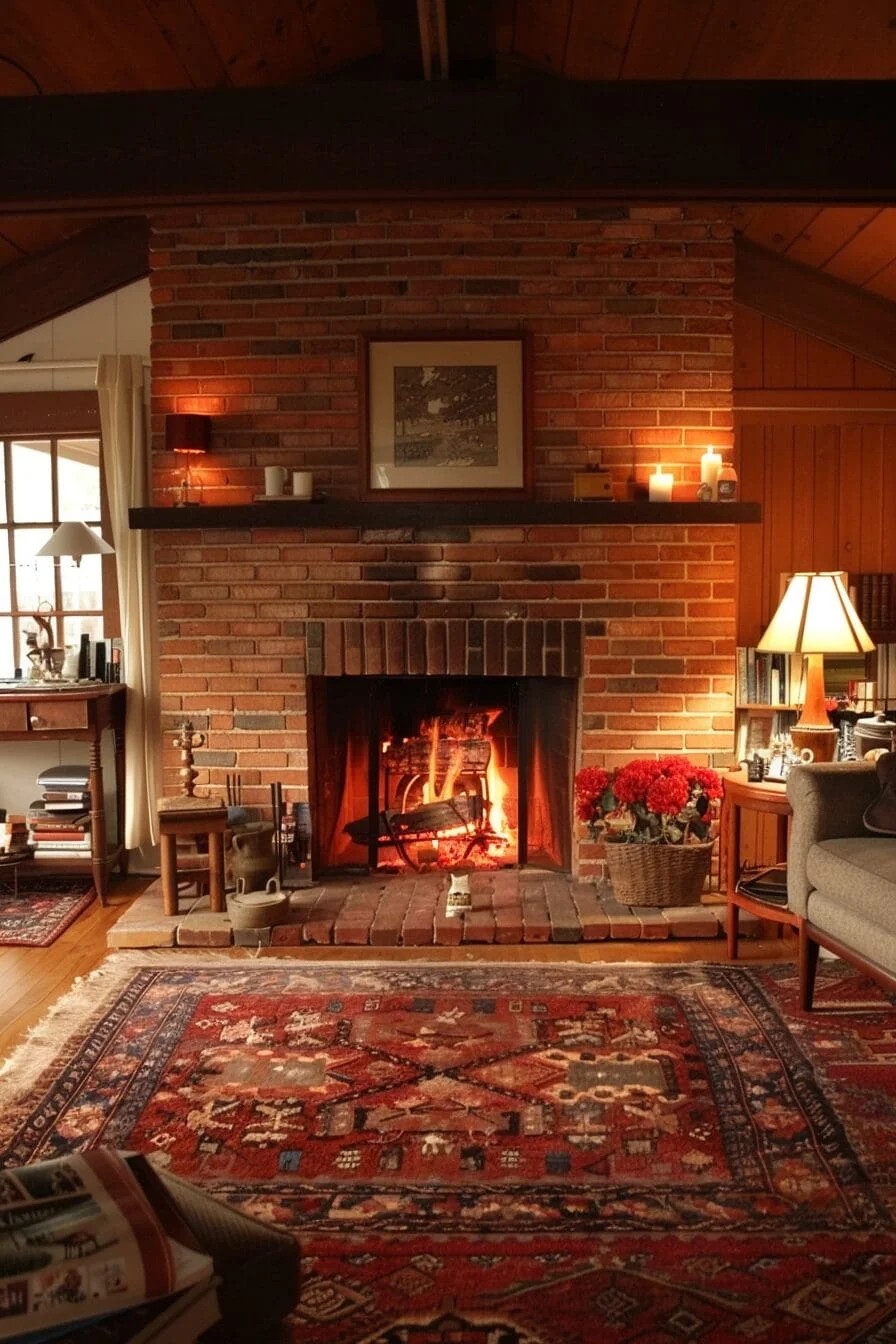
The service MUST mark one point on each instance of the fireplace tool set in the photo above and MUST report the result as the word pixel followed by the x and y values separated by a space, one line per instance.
pixel 292 832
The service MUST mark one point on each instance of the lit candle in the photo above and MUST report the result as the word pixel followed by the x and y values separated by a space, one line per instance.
pixel 710 466
pixel 659 485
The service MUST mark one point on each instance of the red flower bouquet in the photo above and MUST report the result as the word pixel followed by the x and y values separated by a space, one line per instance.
pixel 669 801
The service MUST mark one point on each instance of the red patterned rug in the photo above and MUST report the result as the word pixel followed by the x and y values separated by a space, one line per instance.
pixel 42 907
pixel 506 1154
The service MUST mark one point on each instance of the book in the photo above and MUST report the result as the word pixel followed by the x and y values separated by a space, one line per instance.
pixel 79 823
pixel 79 835
pixel 88 1236
pixel 47 848
pixel 60 818
pixel 65 777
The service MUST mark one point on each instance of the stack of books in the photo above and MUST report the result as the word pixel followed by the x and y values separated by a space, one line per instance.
pixel 14 837
pixel 59 821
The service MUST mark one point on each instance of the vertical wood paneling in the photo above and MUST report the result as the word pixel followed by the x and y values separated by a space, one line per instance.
pixel 778 355
pixel 867 374
pixel 849 520
pixel 825 485
pixel 870 466
pixel 751 460
pixel 827 365
pixel 748 348
pixel 825 551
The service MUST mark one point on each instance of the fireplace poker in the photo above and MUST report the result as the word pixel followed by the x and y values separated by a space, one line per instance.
pixel 277 807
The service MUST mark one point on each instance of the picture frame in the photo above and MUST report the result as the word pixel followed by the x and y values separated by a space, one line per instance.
pixel 446 415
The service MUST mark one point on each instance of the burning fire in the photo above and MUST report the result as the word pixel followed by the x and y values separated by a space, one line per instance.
pixel 458 747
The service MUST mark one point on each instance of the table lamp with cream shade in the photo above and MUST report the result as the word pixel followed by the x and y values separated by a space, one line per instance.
pixel 73 540
pixel 815 617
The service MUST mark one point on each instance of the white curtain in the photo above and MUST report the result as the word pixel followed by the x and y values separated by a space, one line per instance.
pixel 119 381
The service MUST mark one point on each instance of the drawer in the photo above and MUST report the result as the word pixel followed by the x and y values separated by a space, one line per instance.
pixel 13 716
pixel 49 715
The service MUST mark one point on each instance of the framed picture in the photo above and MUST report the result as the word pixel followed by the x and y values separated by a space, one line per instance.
pixel 446 415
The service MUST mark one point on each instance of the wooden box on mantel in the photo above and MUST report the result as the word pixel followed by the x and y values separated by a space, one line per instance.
pixel 595 484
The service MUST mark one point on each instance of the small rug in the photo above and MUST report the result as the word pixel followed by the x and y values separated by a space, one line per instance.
pixel 506 1154
pixel 43 908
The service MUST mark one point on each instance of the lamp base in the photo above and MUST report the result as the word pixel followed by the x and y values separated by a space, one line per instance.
pixel 822 742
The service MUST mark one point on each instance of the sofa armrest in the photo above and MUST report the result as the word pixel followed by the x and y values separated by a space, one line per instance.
pixel 828 801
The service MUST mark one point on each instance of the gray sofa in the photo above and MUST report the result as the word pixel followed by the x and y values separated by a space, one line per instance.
pixel 841 879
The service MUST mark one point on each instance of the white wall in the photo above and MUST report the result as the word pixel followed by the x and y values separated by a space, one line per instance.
pixel 118 324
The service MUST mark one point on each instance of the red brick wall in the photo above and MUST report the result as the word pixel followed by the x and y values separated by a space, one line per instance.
pixel 256 318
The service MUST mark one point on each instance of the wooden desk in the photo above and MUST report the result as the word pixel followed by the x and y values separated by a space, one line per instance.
pixel 740 794
pixel 76 713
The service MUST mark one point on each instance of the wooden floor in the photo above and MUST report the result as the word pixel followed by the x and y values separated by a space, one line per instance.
pixel 32 978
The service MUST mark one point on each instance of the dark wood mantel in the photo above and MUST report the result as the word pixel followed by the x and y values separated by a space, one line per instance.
pixel 443 512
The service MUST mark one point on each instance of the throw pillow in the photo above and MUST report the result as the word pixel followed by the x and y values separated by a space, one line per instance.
pixel 880 816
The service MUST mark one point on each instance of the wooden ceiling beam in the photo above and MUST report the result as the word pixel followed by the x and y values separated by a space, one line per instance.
pixel 823 141
pixel 811 301
pixel 83 268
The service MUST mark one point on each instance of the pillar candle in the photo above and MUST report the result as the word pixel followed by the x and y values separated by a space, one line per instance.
pixel 659 485
pixel 710 466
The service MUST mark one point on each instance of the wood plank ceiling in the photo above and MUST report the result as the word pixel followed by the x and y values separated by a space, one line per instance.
pixel 90 46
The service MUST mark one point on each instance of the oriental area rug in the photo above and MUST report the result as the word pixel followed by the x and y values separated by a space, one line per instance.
pixel 37 909
pixel 505 1154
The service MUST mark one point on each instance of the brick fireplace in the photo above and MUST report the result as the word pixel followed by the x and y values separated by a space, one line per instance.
pixel 257 314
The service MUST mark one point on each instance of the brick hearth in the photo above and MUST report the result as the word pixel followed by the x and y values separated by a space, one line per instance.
pixel 509 908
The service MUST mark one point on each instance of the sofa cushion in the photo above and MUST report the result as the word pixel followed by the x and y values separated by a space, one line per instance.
pixel 880 816
pixel 875 943
pixel 860 871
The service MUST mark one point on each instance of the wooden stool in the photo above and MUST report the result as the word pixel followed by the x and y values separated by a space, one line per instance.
pixel 182 816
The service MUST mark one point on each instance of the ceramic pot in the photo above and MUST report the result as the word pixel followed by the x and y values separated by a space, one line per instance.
pixel 252 854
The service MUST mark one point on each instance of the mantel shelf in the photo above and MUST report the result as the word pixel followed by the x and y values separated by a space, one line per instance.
pixel 328 513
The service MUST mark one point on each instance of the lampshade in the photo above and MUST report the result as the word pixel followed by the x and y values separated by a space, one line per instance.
pixel 188 433
pixel 815 617
pixel 75 539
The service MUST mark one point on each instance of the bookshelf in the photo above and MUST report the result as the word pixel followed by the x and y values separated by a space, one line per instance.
pixel 874 598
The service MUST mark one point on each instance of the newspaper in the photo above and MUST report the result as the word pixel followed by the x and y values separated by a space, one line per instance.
pixel 80 1237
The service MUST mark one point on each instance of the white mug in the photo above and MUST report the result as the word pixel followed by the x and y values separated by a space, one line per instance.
pixel 274 480
pixel 302 484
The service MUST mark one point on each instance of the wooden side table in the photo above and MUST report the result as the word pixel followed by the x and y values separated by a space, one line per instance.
pixel 183 816
pixel 76 712
pixel 740 794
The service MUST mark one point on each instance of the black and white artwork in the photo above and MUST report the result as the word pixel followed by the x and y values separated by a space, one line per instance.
pixel 446 415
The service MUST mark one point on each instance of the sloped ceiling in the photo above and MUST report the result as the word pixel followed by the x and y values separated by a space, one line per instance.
pixel 84 47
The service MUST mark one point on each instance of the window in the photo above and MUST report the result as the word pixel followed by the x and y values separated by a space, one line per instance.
pixel 47 479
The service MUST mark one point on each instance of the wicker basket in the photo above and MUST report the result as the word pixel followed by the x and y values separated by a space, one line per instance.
pixel 662 875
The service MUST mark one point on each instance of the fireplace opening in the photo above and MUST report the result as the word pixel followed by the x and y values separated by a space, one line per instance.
pixel 421 773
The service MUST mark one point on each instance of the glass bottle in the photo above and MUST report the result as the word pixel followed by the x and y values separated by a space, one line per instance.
pixel 726 484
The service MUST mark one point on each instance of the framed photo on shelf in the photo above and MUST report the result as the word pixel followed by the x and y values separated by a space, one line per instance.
pixel 445 415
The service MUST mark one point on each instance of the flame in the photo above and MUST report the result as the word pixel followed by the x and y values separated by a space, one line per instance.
pixel 493 835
